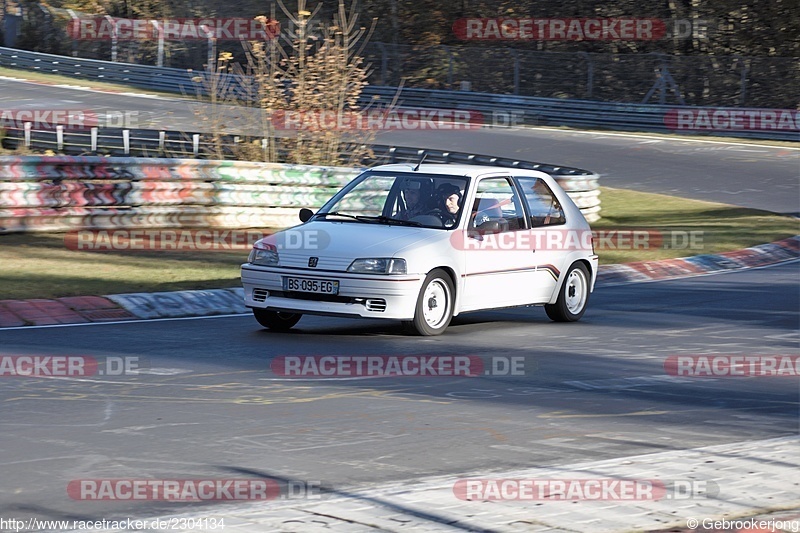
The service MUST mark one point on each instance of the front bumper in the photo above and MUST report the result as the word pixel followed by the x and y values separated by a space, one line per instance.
pixel 360 295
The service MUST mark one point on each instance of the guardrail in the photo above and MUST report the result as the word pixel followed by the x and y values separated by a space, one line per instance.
pixel 114 142
pixel 60 193
pixel 515 110
pixel 510 110
pixel 149 143
pixel 172 80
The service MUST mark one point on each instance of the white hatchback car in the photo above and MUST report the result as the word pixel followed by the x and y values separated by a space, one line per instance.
pixel 423 243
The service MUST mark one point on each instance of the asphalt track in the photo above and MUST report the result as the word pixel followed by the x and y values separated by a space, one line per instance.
pixel 209 406
pixel 756 176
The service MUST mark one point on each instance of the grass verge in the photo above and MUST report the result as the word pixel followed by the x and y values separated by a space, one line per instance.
pixel 40 265
pixel 713 226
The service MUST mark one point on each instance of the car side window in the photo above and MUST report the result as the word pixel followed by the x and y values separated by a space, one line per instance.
pixel 543 205
pixel 497 207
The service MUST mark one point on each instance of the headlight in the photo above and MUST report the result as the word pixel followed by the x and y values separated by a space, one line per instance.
pixel 263 254
pixel 384 265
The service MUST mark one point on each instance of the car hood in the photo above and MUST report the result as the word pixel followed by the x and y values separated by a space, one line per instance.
pixel 336 244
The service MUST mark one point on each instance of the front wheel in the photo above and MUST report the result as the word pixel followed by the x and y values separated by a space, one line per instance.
pixel 276 320
pixel 434 305
pixel 573 296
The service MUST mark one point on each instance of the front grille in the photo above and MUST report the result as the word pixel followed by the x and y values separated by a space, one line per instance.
pixel 300 260
pixel 375 304
pixel 312 296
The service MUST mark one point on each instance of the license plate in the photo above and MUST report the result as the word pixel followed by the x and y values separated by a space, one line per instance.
pixel 319 286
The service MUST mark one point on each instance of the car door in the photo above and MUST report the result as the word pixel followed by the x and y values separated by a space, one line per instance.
pixel 499 266
pixel 549 239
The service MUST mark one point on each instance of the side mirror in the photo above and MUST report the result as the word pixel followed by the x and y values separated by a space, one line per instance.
pixel 490 226
pixel 306 214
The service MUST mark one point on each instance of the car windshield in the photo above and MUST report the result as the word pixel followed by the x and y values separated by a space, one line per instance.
pixel 399 198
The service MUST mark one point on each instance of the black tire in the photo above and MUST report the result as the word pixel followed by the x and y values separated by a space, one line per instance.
pixel 434 304
pixel 276 320
pixel 573 296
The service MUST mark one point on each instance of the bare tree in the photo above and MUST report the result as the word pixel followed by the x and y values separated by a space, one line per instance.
pixel 314 73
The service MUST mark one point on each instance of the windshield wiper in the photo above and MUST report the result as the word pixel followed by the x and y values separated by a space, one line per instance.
pixel 380 219
pixel 388 220
pixel 338 214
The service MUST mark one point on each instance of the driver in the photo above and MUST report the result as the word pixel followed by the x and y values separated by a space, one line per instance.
pixel 416 195
pixel 450 200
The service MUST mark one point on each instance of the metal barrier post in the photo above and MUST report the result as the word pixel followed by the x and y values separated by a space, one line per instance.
pixel 743 80
pixel 48 25
pixel 515 55
pixel 94 139
pixel 113 37
pixel 589 73
pixel 449 66
pixel 212 44
pixel 75 22
pixel 664 82
pixel 384 63
pixel 160 30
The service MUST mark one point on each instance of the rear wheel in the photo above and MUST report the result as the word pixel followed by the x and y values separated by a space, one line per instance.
pixel 276 320
pixel 573 296
pixel 434 304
